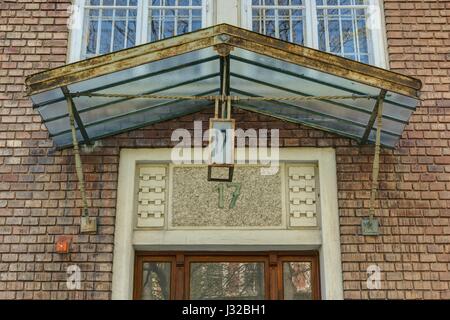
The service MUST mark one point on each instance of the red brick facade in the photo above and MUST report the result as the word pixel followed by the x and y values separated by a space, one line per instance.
pixel 38 200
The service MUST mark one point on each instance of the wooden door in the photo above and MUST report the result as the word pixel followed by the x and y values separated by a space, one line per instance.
pixel 236 276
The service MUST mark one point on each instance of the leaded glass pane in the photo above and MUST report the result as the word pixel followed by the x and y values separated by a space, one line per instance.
pixel 297 281
pixel 156 281
pixel 227 280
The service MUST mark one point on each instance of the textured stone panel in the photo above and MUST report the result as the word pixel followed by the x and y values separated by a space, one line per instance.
pixel 151 196
pixel 302 196
pixel 195 201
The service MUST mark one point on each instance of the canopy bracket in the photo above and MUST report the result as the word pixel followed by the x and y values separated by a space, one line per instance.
pixel 373 116
pixel 224 84
pixel 370 226
pixel 76 115
pixel 88 224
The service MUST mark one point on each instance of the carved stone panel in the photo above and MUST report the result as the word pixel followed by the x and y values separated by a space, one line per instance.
pixel 152 196
pixel 251 200
pixel 302 196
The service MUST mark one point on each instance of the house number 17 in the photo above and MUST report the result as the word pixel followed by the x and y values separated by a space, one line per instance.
pixel 234 197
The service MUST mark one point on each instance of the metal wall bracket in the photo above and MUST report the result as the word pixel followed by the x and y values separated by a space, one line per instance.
pixel 370 227
pixel 228 178
pixel 88 224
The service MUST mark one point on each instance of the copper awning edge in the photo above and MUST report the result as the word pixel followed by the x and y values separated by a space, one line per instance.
pixel 238 37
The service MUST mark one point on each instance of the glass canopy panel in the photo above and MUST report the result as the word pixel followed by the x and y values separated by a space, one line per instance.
pixel 91 111
pixel 137 106
pixel 293 113
pixel 129 76
pixel 194 73
pixel 66 139
pixel 55 110
pixel 198 73
pixel 45 97
pixel 331 108
pixel 59 125
pixel 158 82
pixel 303 72
pixel 254 74
pixel 146 117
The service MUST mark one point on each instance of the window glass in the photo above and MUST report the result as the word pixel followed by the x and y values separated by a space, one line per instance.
pixel 156 281
pixel 281 19
pixel 297 281
pixel 342 28
pixel 227 280
pixel 110 25
pixel 168 18
pixel 342 25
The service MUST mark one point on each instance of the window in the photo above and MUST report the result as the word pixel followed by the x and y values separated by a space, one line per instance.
pixel 168 18
pixel 110 25
pixel 349 28
pixel 279 19
pixel 226 275
pixel 103 26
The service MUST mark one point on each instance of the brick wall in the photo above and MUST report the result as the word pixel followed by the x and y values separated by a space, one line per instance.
pixel 38 200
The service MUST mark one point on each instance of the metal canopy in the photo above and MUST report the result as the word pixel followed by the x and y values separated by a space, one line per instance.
pixel 107 91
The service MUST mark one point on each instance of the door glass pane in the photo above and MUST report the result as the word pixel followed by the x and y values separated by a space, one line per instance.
pixel 227 280
pixel 297 280
pixel 156 281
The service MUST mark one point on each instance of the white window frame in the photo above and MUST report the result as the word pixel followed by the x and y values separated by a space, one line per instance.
pixel 377 45
pixel 77 26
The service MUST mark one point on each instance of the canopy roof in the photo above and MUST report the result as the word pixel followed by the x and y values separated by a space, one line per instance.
pixel 191 65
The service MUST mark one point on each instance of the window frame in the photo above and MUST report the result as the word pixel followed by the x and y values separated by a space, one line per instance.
pixel 76 33
pixel 378 44
pixel 181 265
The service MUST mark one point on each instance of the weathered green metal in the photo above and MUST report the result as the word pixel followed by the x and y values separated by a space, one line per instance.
pixel 373 116
pixel 76 115
pixel 236 193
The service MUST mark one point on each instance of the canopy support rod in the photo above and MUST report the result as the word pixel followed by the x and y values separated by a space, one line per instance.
pixel 213 97
pixel 373 116
pixel 370 226
pixel 223 50
pixel 87 224
pixel 376 160
pixel 76 115
pixel 224 83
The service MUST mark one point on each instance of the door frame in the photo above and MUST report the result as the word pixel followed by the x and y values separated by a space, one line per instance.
pixel 127 239
pixel 181 260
